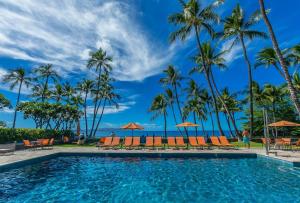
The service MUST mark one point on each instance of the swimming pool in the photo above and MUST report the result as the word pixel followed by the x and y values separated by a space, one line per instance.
pixel 103 179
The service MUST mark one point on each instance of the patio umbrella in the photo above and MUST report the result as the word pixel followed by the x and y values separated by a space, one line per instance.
pixel 186 125
pixel 284 124
pixel 132 127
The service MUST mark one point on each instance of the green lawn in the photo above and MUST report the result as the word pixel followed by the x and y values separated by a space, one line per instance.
pixel 252 144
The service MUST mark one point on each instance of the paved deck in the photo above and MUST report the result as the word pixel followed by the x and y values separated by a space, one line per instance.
pixel 26 155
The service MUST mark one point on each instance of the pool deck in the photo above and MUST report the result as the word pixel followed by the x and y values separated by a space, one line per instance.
pixel 22 156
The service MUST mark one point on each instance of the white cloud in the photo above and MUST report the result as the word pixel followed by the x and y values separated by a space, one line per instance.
pixel 234 52
pixel 110 109
pixel 63 33
pixel 7 110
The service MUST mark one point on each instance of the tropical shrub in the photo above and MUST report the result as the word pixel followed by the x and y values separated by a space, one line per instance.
pixel 11 135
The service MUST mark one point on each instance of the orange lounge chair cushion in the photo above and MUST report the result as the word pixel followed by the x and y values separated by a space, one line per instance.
pixel 215 141
pixel 180 142
pixel 171 142
pixel 128 141
pixel 136 141
pixel 108 141
pixel 157 141
pixel 116 141
pixel 149 142
pixel 224 141
pixel 201 141
pixel 193 141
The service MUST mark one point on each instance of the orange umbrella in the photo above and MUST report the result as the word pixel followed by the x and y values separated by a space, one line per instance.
pixel 132 126
pixel 284 124
pixel 187 124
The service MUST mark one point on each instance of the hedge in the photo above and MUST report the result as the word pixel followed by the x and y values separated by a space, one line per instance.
pixel 10 135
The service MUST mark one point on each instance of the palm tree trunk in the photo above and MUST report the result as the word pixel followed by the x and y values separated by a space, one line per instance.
pixel 250 84
pixel 165 124
pixel 95 105
pixel 195 121
pixel 209 82
pixel 284 67
pixel 274 118
pixel 229 126
pixel 211 118
pixel 224 104
pixel 203 129
pixel 179 108
pixel 102 111
pixel 18 100
pixel 173 112
pixel 279 70
pixel 85 114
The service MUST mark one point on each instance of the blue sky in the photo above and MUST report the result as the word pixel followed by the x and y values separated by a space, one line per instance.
pixel 135 33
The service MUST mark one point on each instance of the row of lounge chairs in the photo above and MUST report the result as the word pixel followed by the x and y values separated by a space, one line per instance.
pixel 157 142
pixel 39 144
pixel 281 143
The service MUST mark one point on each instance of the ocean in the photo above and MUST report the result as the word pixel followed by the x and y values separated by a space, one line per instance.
pixel 123 133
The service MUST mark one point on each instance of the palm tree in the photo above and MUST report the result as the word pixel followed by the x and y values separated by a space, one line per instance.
pixel 101 62
pixel 173 79
pixel 232 106
pixel 207 99
pixel 170 100
pixel 212 58
pixel 274 95
pixel 195 18
pixel 238 28
pixel 46 72
pixel 4 102
pixel 85 87
pixel 58 93
pixel 108 96
pixel 283 64
pixel 267 57
pixel 159 107
pixel 17 77
pixel 68 91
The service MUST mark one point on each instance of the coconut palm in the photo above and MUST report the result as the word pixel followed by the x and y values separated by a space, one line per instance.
pixel 194 19
pixel 212 59
pixel 101 62
pixel 58 93
pixel 170 100
pixel 68 91
pixel 196 107
pixel 267 57
pixel 239 29
pixel 159 107
pixel 284 66
pixel 47 73
pixel 85 87
pixel 207 99
pixel 4 102
pixel 173 79
pixel 17 77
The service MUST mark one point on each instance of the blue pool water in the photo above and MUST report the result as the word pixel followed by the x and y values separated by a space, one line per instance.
pixel 96 179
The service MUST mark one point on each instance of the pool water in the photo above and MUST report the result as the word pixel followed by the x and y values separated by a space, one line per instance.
pixel 96 179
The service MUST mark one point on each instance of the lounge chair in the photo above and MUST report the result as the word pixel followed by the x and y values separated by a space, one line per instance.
pixel 202 142
pixel 278 143
pixel 171 142
pixel 287 142
pixel 44 143
pixel 7 149
pixel 225 142
pixel 180 142
pixel 28 144
pixel 149 141
pixel 51 143
pixel 66 139
pixel 215 141
pixel 297 144
pixel 127 142
pixel 263 141
pixel 158 142
pixel 193 142
pixel 107 142
pixel 136 142
pixel 115 143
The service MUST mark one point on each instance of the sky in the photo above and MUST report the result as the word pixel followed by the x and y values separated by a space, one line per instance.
pixel 135 33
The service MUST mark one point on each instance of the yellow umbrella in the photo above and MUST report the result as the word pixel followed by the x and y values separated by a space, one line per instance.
pixel 132 126
pixel 284 124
